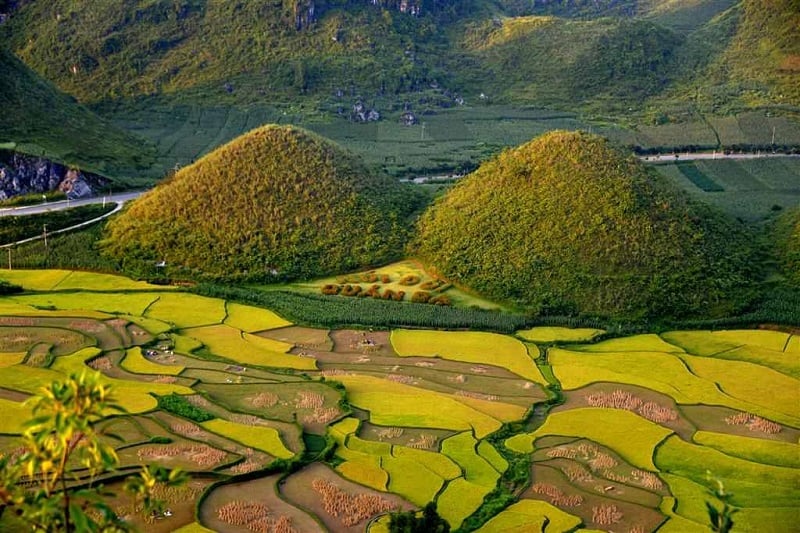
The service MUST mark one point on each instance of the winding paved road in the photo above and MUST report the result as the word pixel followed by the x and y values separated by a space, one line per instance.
pixel 119 198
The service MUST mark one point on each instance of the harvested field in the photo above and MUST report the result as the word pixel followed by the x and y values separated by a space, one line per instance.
pixel 718 419
pixel 179 501
pixel 592 503
pixel 290 406
pixel 371 343
pixel 258 495
pixel 402 436
pixel 302 338
pixel 300 489
pixel 645 402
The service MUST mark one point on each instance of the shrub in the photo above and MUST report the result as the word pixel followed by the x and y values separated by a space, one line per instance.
pixel 372 292
pixel 331 289
pixel 177 404
pixel 409 279
pixel 350 290
pixel 440 300
pixel 385 278
pixel 431 285
pixel 421 297
pixel 9 288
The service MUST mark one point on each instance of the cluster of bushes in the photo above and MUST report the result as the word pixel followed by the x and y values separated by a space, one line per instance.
pixel 178 405
pixel 9 288
pixel 420 297
pixel 424 297
pixel 356 290
pixel 409 280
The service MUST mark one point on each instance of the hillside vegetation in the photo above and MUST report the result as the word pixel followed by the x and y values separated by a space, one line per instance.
pixel 786 236
pixel 552 60
pixel 566 223
pixel 40 120
pixel 275 203
pixel 607 55
pixel 764 55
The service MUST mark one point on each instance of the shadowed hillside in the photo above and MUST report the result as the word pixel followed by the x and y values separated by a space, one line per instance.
pixel 38 119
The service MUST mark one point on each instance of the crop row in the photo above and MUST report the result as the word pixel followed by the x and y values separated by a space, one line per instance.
pixel 332 311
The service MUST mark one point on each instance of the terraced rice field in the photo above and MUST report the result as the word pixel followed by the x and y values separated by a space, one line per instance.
pixel 639 421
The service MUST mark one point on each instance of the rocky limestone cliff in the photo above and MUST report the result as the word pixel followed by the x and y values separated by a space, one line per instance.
pixel 25 174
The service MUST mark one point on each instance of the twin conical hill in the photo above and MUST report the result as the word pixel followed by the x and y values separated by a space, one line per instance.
pixel 567 223
pixel 275 203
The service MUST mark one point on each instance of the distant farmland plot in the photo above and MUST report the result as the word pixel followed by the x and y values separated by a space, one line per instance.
pixel 750 187
pixel 756 128
pixel 450 137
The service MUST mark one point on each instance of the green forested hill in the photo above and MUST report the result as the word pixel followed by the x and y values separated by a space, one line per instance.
pixel 275 203
pixel 764 55
pixel 38 119
pixel 608 54
pixel 566 223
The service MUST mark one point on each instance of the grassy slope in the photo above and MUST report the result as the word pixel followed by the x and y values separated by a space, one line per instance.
pixel 764 55
pixel 554 61
pixel 567 222
pixel 277 198
pixel 43 121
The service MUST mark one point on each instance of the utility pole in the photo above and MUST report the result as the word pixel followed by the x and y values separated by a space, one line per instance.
pixel 773 135
pixel 422 137
pixel 44 231
pixel 9 257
